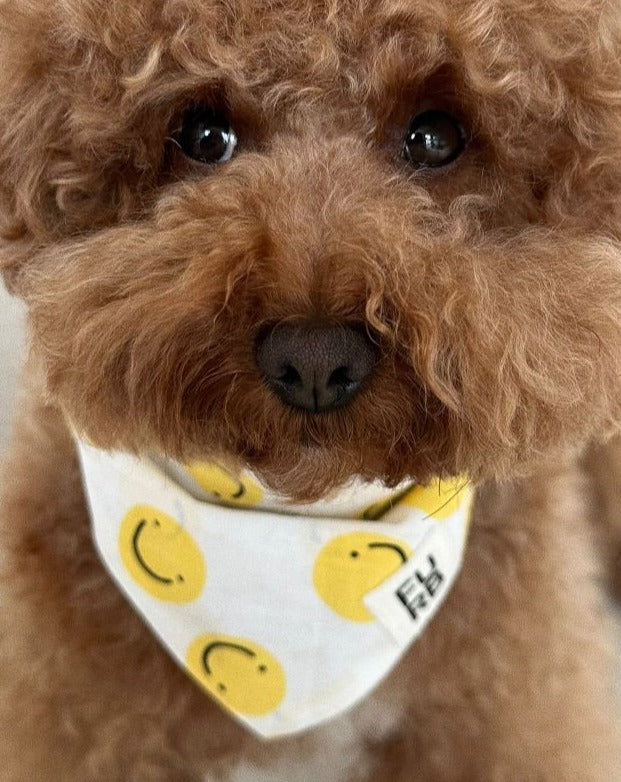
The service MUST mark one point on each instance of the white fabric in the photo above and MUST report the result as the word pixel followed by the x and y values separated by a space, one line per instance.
pixel 285 619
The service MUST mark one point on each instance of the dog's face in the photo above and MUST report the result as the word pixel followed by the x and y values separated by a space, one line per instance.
pixel 319 238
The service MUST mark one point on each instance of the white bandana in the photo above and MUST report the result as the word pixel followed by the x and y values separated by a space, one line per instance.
pixel 285 619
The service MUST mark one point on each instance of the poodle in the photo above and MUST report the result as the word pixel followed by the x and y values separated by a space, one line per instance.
pixel 303 266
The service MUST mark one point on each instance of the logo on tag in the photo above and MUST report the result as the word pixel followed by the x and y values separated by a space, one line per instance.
pixel 407 601
pixel 418 591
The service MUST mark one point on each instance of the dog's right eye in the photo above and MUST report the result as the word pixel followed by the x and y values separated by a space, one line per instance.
pixel 206 135
pixel 434 139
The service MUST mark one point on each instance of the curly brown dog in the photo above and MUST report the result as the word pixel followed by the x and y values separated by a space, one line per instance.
pixel 424 199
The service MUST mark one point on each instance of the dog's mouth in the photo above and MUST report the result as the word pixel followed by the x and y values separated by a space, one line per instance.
pixel 391 430
pixel 321 460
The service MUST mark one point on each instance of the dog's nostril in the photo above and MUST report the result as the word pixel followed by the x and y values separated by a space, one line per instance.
pixel 315 368
pixel 290 376
pixel 340 377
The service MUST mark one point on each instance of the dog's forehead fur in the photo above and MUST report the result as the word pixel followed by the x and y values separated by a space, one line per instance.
pixel 93 94
pixel 492 286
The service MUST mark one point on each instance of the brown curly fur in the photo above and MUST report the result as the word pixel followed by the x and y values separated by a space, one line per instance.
pixel 493 288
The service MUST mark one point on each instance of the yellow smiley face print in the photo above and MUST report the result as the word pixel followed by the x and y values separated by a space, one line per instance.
pixel 351 565
pixel 237 672
pixel 440 499
pixel 161 556
pixel 225 486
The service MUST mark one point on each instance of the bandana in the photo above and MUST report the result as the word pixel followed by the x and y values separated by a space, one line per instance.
pixel 287 615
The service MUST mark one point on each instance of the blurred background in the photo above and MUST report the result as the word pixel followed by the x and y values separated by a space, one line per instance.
pixel 12 346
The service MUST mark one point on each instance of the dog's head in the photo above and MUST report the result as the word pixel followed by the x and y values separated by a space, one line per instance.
pixel 319 238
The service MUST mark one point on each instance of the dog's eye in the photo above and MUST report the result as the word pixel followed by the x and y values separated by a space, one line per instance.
pixel 434 139
pixel 206 135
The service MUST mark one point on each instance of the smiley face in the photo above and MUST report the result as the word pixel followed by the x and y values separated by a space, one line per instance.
pixel 351 565
pixel 161 556
pixel 225 486
pixel 237 672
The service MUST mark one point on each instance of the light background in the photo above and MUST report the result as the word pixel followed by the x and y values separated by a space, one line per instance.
pixel 12 349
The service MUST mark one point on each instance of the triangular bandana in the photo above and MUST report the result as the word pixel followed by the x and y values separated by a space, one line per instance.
pixel 285 619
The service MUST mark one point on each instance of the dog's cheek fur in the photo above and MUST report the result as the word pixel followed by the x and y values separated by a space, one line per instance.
pixel 525 352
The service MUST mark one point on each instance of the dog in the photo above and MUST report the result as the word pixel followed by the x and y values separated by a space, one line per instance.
pixel 317 245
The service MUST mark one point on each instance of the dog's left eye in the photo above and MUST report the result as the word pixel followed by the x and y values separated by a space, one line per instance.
pixel 206 135
pixel 434 138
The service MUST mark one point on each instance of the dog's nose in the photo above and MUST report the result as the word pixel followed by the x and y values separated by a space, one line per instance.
pixel 315 368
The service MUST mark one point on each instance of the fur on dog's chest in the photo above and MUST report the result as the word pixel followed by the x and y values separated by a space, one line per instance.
pixel 330 753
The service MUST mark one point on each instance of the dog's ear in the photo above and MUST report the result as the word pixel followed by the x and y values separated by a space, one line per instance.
pixel 16 240
pixel 23 141
pixel 14 245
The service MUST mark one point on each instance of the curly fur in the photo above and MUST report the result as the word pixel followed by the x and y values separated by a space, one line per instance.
pixel 493 289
